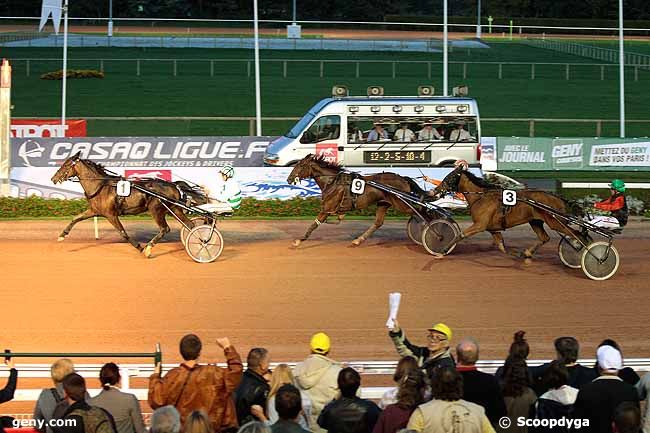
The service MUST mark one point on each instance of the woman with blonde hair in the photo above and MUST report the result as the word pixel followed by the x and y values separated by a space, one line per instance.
pixel 281 376
pixel 197 422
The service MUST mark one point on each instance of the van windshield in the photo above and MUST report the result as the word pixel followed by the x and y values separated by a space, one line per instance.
pixel 300 126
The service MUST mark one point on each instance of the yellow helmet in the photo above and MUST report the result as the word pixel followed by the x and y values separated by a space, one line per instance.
pixel 320 343
pixel 443 329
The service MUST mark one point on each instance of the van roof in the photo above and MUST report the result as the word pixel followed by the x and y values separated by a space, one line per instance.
pixel 402 99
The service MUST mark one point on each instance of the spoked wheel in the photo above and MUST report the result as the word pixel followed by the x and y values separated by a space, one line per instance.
pixel 600 261
pixel 196 221
pixel 414 228
pixel 569 254
pixel 438 235
pixel 204 243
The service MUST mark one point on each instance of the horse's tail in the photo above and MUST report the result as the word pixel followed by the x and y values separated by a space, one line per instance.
pixel 574 208
pixel 195 193
pixel 415 188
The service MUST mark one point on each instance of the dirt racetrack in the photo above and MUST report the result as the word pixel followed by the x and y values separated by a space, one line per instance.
pixel 87 295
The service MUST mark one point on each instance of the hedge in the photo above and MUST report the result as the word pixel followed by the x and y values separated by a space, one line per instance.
pixel 73 73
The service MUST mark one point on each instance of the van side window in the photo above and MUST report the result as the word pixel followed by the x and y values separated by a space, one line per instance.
pixel 324 128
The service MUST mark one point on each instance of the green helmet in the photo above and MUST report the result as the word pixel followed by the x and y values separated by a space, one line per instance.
pixel 618 185
pixel 228 171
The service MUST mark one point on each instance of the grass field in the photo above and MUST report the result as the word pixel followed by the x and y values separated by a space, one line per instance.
pixel 193 92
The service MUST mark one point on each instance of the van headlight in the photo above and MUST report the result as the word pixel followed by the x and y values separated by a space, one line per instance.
pixel 271 158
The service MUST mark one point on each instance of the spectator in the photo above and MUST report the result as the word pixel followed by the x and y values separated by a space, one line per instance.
pixel 448 410
pixel 435 355
pixel 643 389
pixel 519 349
pixel 355 135
pixel 378 133
pixel 460 134
pixel 317 376
pixel 428 133
pixel 478 387
pixel 165 419
pixel 404 367
pixel 192 386
pixel 404 133
pixel 50 398
pixel 410 395
pixel 197 422
pixel 519 398
pixel 124 407
pixel 567 349
pixel 254 427
pixel 7 393
pixel 558 401
pixel 598 400
pixel 627 418
pixel 626 373
pixel 87 418
pixel 282 376
pixel 253 391
pixel 349 413
pixel 288 406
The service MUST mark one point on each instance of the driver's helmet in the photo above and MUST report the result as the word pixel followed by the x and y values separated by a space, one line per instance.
pixel 228 171
pixel 618 185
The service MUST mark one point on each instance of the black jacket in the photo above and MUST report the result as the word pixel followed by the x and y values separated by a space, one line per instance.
pixel 421 353
pixel 7 393
pixel 579 375
pixel 349 415
pixel 79 425
pixel 253 389
pixel 484 390
pixel 597 401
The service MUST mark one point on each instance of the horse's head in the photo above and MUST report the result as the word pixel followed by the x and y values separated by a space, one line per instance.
pixel 450 183
pixel 67 169
pixel 302 170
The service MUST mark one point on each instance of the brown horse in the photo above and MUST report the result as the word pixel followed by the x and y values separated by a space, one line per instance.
pixel 100 191
pixel 337 198
pixel 489 214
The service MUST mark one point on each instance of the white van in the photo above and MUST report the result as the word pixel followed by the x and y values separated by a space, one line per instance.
pixel 383 131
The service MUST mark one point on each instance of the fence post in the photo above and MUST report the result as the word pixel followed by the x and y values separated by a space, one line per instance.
pixel 636 73
pixel 284 69
pixel 429 70
pixel 394 69
pixel 602 72
pixel 27 67
pixel 357 71
pixel 532 71
pixel 175 67
pixel 464 71
pixel 212 68
pixel 137 67
pixel 251 127
pixel 322 67
pixel 500 71
pixel 599 128
pixel 101 65
pixel 248 69
pixel 567 73
pixel 531 128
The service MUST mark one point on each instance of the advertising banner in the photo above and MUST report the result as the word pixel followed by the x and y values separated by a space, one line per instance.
pixel 583 153
pixel 39 128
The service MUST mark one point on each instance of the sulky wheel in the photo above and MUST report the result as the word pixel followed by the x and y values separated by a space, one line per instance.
pixel 569 254
pixel 600 261
pixel 414 228
pixel 204 243
pixel 439 236
pixel 196 221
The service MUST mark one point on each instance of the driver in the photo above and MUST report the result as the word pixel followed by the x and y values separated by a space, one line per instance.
pixel 226 197
pixel 616 204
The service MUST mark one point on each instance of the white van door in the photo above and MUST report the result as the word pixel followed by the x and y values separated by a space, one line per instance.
pixel 326 138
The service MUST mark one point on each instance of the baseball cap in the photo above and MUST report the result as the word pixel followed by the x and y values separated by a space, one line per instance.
pixel 443 329
pixel 609 359
pixel 320 343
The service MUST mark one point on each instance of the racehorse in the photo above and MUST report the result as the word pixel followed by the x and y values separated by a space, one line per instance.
pixel 100 191
pixel 337 198
pixel 489 213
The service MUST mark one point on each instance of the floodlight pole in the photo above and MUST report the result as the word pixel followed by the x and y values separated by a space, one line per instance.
pixel 621 67
pixel 110 17
pixel 478 24
pixel 258 104
pixel 445 53
pixel 65 63
pixel 294 11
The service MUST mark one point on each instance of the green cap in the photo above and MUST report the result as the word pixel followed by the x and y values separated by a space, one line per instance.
pixel 618 185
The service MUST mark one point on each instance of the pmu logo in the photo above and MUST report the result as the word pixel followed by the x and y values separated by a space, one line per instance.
pixel 30 149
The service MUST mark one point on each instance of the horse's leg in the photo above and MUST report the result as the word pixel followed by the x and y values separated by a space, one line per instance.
pixel 115 221
pixel 339 219
pixel 82 216
pixel 497 237
pixel 320 219
pixel 158 212
pixel 379 221
pixel 542 238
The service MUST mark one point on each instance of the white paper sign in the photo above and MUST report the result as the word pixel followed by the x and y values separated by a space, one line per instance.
pixel 393 308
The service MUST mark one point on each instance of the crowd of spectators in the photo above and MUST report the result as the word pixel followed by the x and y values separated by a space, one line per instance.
pixel 438 388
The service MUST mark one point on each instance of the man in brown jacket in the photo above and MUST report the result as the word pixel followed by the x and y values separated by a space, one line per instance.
pixel 191 386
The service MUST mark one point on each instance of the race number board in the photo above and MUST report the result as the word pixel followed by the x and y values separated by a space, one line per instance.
pixel 509 197
pixel 123 188
pixel 358 186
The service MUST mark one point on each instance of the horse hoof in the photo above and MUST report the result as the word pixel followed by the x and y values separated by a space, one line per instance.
pixel 147 251
pixel 528 261
pixel 357 242
pixel 60 239
pixel 296 243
